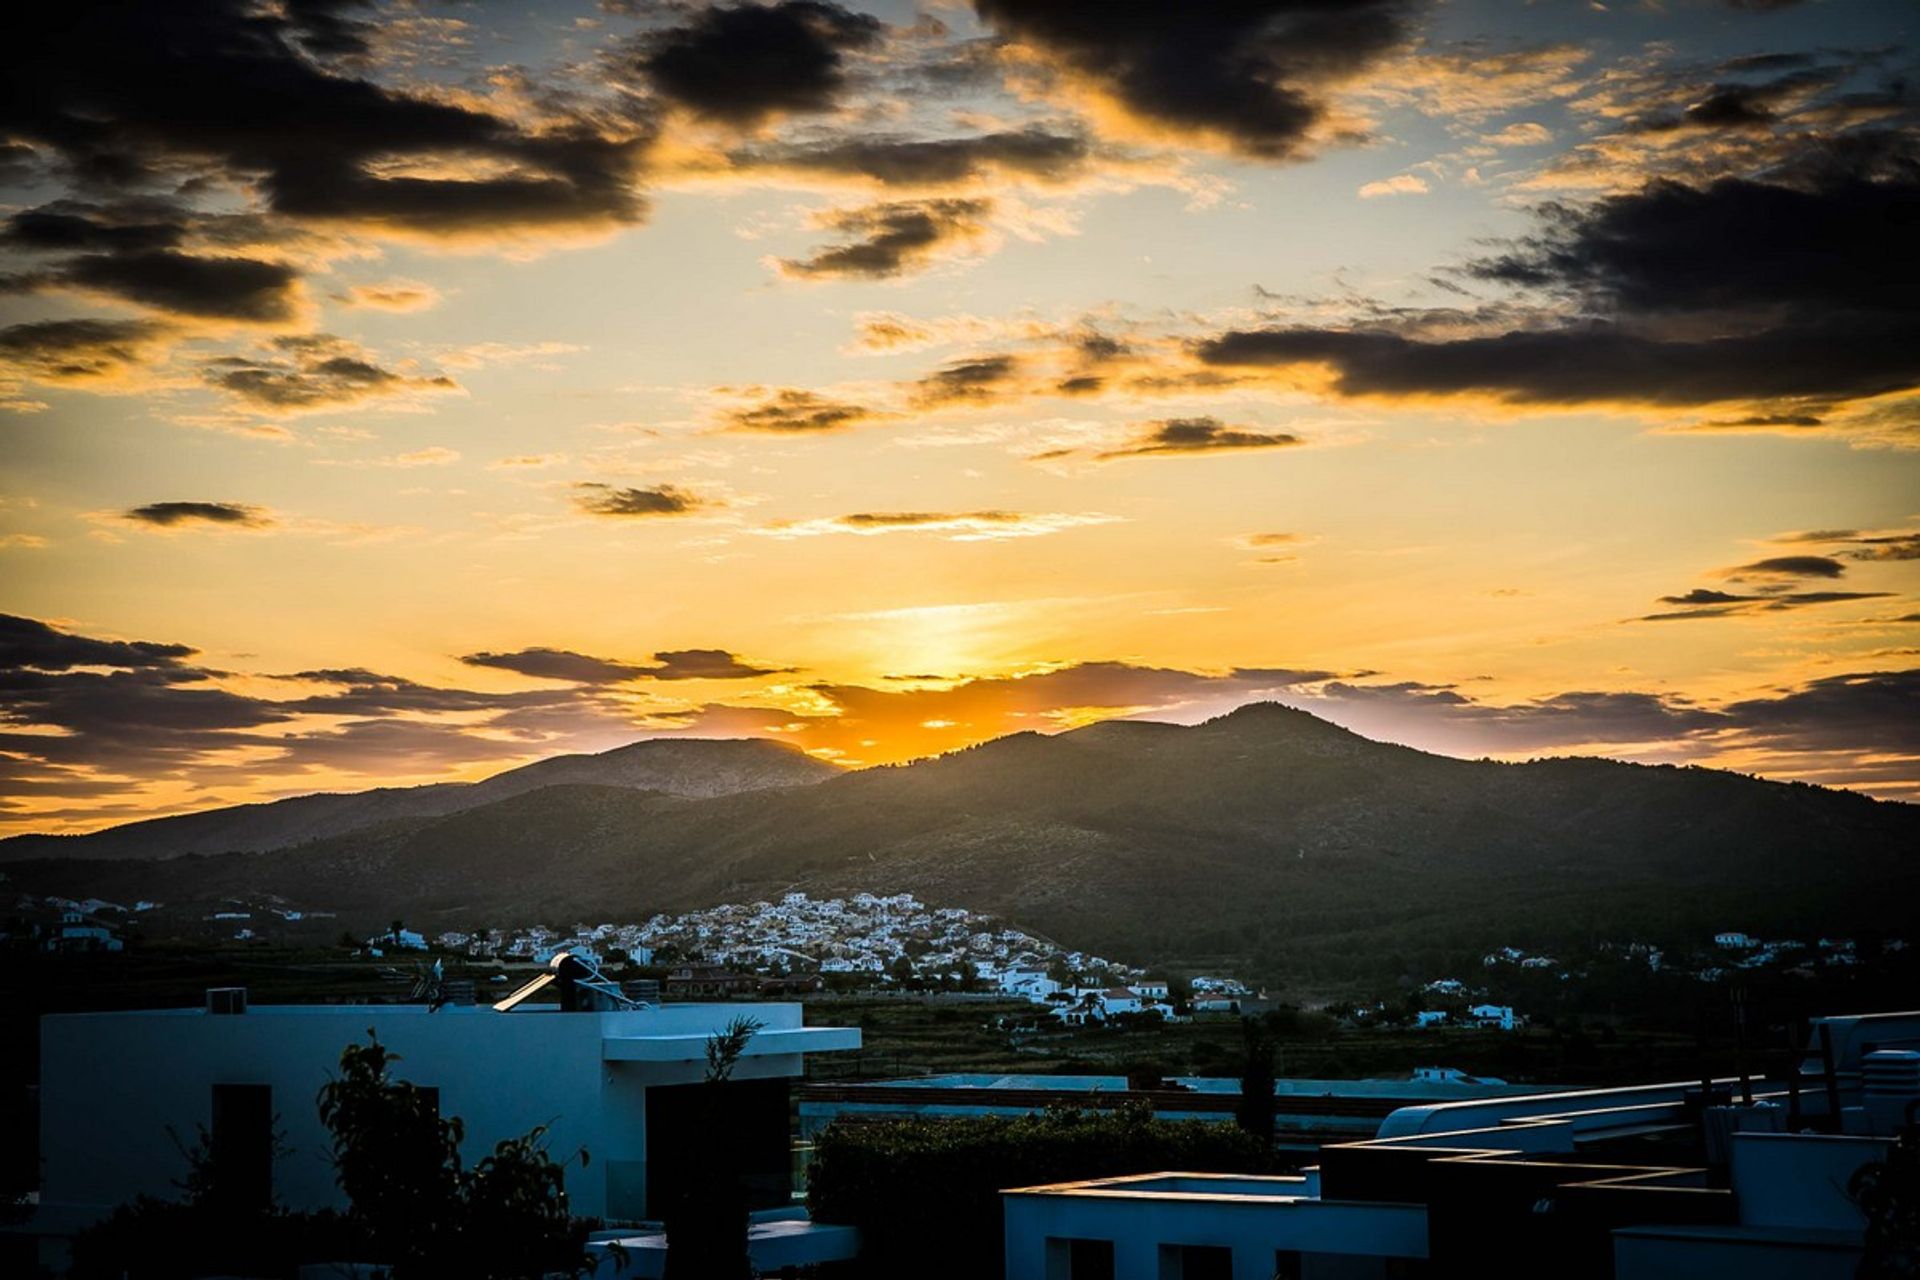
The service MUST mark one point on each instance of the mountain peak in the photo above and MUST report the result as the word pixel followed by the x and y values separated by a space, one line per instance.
pixel 1276 715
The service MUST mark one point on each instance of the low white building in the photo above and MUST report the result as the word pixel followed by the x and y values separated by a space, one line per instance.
pixel 1493 1015
pixel 115 1087
pixel 1541 1184
pixel 78 931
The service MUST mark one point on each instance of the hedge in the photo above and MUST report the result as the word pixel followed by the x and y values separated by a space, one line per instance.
pixel 925 1193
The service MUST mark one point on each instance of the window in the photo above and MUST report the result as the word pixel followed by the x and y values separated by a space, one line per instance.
pixel 1070 1259
pixel 240 1146
pixel 1196 1262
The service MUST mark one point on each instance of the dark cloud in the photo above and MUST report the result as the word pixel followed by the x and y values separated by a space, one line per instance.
pixel 228 92
pixel 242 289
pixel 326 29
pixel 793 411
pixel 579 668
pixel 556 664
pixel 1856 544
pixel 933 162
pixel 1770 581
pixel 29 644
pixel 1793 289
pixel 662 500
pixel 1705 603
pixel 356 691
pixel 1740 105
pixel 744 64
pixel 77 350
pixel 1845 241
pixel 1767 62
pixel 1562 720
pixel 1837 356
pixel 1254 73
pixel 1198 435
pixel 100 721
pixel 1766 420
pixel 1857 712
pixel 76 708
pixel 169 515
pixel 1704 595
pixel 70 226
pixel 313 371
pixel 971 379
pixel 1773 593
pixel 1788 567
pixel 705 664
pixel 886 240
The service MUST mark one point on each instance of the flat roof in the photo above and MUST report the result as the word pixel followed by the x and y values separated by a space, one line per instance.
pixel 1398 1089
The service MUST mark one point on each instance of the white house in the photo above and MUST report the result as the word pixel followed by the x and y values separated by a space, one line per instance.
pixel 1430 1018
pixel 1493 1015
pixel 615 1083
pixel 78 931
pixel 1733 939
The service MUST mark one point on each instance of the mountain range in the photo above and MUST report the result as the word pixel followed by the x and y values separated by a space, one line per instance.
pixel 1266 831
pixel 693 767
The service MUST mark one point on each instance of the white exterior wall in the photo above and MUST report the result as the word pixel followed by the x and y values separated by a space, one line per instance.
pixel 1682 1253
pixel 1800 1179
pixel 112 1084
pixel 1335 1238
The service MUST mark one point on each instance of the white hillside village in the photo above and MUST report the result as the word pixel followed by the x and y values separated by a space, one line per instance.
pixel 893 939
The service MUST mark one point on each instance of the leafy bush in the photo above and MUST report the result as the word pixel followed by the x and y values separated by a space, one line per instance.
pixel 907 1182
pixel 1888 1193
pixel 399 1163
pixel 413 1205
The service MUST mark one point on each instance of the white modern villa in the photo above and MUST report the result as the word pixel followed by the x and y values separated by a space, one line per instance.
pixel 117 1088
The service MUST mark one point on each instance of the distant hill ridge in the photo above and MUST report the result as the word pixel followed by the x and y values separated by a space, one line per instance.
pixel 678 766
pixel 1265 832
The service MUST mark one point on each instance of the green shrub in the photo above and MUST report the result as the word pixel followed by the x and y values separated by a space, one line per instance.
pixel 925 1194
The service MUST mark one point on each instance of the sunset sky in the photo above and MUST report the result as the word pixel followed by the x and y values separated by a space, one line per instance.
pixel 394 393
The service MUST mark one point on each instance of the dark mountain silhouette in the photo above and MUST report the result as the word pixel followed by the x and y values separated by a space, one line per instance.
pixel 677 766
pixel 1266 831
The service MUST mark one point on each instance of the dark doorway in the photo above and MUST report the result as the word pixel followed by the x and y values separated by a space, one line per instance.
pixel 753 1119
pixel 1090 1259
pixel 241 1146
